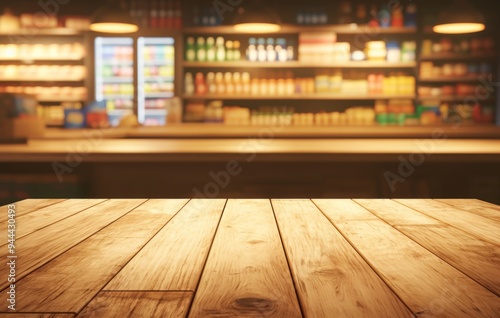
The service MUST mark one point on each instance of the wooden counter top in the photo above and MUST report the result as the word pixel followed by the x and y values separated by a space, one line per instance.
pixel 227 131
pixel 205 150
pixel 253 258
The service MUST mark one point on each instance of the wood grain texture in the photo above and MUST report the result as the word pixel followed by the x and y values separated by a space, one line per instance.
pixel 246 274
pixel 331 278
pixel 427 284
pixel 27 206
pixel 396 214
pixel 41 246
pixel 179 251
pixel 486 209
pixel 474 224
pixel 30 222
pixel 476 258
pixel 138 304
pixel 20 315
pixel 69 282
pixel 345 209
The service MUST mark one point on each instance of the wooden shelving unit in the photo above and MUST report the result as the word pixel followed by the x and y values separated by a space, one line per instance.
pixel 298 64
pixel 458 56
pixel 305 97
pixel 294 29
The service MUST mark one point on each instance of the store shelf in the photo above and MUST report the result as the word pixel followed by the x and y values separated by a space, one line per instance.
pixel 439 79
pixel 161 79
pixel 149 111
pixel 449 98
pixel 159 95
pixel 41 59
pixel 117 63
pixel 29 33
pixel 457 56
pixel 117 96
pixel 48 98
pixel 158 63
pixel 117 80
pixel 298 97
pixel 291 29
pixel 34 79
pixel 298 64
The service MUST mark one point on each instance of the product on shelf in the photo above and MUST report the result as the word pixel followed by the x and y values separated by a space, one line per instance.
pixel 401 112
pixel 42 51
pixel 430 69
pixel 447 45
pixel 205 15
pixel 157 14
pixel 312 15
pixel 42 72
pixel 319 47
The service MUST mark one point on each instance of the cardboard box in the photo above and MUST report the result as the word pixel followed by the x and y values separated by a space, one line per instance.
pixel 23 127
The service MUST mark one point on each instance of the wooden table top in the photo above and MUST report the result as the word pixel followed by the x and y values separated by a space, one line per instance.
pixel 253 258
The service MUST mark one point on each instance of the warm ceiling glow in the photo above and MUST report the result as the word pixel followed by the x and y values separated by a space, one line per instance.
pixel 114 27
pixel 458 28
pixel 257 27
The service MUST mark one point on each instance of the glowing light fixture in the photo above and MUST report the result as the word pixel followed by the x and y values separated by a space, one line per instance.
pixel 111 19
pixel 257 18
pixel 458 19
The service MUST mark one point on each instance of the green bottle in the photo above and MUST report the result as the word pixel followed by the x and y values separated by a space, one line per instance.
pixel 211 49
pixel 190 50
pixel 221 50
pixel 201 50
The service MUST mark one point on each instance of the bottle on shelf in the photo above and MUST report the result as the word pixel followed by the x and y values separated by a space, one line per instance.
pixel 201 52
pixel 261 50
pixel 229 50
pixel 345 12
pixel 397 16
pixel 361 14
pixel 252 54
pixel 211 50
pixel 153 14
pixel 221 50
pixel 190 49
pixel 410 16
pixel 236 50
pixel 178 21
pixel 271 53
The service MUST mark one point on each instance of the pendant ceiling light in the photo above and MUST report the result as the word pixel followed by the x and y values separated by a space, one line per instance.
pixel 113 19
pixel 459 18
pixel 257 18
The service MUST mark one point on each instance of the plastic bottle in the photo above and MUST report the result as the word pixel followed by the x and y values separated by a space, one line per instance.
pixel 252 54
pixel 236 51
pixel 281 51
pixel 261 50
pixel 201 53
pixel 221 51
pixel 190 50
pixel 410 18
pixel 229 51
pixel 211 52
pixel 271 53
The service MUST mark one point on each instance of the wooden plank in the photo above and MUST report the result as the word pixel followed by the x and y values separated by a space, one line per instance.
pixel 27 206
pixel 246 274
pixel 179 251
pixel 42 246
pixel 30 222
pixel 138 304
pixel 428 285
pixel 474 224
pixel 474 257
pixel 20 315
pixel 331 278
pixel 345 209
pixel 69 282
pixel 485 209
pixel 395 213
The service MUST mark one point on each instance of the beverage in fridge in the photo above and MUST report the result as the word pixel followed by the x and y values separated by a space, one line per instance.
pixel 114 76
pixel 155 75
